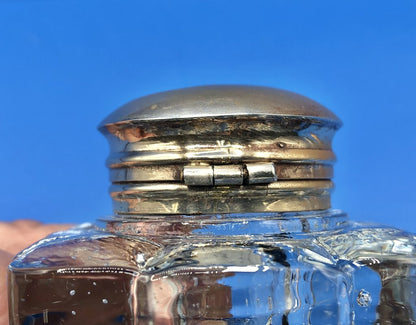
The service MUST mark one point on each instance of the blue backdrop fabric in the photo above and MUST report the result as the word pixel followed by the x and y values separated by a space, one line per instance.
pixel 65 65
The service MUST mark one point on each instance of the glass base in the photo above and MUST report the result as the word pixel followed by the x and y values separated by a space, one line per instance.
pixel 305 268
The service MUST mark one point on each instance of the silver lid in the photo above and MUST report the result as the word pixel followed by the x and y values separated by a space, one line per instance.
pixel 220 149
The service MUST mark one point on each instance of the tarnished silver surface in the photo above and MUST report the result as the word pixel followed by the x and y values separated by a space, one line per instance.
pixel 219 101
pixel 198 175
pixel 162 198
pixel 220 149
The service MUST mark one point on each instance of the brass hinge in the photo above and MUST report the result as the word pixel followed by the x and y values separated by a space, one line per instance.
pixel 213 175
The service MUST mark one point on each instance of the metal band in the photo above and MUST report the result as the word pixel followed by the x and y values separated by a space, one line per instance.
pixel 180 199
pixel 174 173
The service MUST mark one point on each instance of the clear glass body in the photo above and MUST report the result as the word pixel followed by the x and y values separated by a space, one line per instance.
pixel 275 268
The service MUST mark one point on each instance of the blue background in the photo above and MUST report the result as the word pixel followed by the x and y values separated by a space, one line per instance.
pixel 65 65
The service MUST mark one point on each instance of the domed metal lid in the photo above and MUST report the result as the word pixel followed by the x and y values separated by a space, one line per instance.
pixel 219 101
pixel 220 149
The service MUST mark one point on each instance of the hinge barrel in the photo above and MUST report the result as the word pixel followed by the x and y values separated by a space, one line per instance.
pixel 254 173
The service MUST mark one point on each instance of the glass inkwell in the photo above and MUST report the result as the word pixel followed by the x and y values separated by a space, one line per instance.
pixel 222 215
